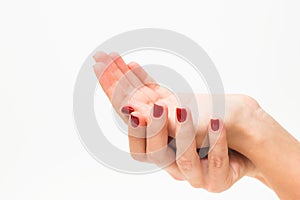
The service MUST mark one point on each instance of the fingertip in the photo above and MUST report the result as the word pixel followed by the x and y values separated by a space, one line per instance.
pixel 114 55
pixel 100 56
pixel 159 110
pixel 183 114
pixel 136 126
pixel 180 115
pixel 218 158
pixel 216 125
pixel 137 119
pixel 134 120
pixel 133 65
pixel 127 110
pixel 217 135
pixel 157 123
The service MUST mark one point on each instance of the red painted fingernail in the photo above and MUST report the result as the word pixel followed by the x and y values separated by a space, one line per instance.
pixel 127 110
pixel 157 110
pixel 134 121
pixel 214 123
pixel 181 114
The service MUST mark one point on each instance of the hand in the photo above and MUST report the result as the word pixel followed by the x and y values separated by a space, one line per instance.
pixel 130 88
pixel 250 130
pixel 149 142
pixel 118 78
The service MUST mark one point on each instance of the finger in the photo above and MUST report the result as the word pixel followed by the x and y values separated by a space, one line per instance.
pixel 132 77
pixel 119 62
pixel 134 104
pixel 142 74
pixel 102 57
pixel 129 76
pixel 239 166
pixel 148 81
pixel 218 159
pixel 109 75
pixel 157 147
pixel 187 157
pixel 105 78
pixel 114 83
pixel 137 136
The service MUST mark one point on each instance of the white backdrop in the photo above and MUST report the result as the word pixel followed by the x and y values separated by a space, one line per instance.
pixel 255 46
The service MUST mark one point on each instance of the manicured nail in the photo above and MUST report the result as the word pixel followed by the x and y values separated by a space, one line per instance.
pixel 157 110
pixel 127 110
pixel 181 114
pixel 214 123
pixel 134 121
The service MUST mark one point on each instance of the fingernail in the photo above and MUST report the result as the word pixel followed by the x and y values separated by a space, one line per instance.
pixel 134 121
pixel 181 114
pixel 214 123
pixel 157 110
pixel 127 110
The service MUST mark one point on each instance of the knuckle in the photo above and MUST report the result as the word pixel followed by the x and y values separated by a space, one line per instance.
pixel 185 164
pixel 216 162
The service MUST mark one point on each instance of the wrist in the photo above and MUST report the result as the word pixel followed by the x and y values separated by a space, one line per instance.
pixel 241 120
pixel 274 153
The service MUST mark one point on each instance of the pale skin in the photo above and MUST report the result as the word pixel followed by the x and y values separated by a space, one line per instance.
pixel 262 148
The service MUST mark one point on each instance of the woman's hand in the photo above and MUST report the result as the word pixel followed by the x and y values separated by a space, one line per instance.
pixel 250 131
pixel 130 88
pixel 148 140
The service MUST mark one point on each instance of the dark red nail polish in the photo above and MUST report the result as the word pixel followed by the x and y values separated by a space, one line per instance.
pixel 181 114
pixel 157 110
pixel 214 123
pixel 127 110
pixel 134 121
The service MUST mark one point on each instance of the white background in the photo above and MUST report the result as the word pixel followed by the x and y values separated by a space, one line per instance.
pixel 255 46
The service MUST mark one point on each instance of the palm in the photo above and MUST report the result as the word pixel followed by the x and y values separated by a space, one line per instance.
pixel 130 85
